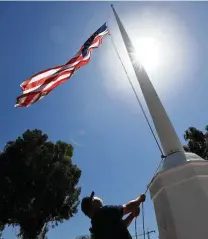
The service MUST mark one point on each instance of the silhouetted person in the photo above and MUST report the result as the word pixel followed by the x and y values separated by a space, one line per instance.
pixel 107 221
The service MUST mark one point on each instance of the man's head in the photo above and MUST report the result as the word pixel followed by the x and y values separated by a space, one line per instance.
pixel 91 204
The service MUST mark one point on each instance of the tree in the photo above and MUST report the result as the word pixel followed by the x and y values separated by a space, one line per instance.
pixel 84 237
pixel 38 184
pixel 197 142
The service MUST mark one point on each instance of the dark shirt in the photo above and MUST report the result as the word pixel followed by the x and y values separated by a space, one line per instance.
pixel 107 223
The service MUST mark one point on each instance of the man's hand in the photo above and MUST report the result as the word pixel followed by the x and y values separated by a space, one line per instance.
pixel 133 205
pixel 143 198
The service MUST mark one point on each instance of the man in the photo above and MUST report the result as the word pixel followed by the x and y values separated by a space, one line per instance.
pixel 107 221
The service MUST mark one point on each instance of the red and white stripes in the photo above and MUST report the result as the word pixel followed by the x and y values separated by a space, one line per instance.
pixel 42 83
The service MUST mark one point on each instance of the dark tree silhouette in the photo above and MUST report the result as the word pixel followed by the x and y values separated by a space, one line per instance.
pixel 38 184
pixel 197 142
pixel 84 237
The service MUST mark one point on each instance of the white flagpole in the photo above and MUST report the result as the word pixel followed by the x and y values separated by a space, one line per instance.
pixel 166 133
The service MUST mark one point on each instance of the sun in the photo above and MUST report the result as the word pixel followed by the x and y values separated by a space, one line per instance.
pixel 147 52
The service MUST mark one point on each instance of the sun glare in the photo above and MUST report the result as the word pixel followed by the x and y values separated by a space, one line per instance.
pixel 148 52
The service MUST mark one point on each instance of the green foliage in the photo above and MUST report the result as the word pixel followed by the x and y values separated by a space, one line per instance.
pixel 38 184
pixel 197 142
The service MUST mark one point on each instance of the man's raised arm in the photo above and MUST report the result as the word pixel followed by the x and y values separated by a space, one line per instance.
pixel 133 205
pixel 127 221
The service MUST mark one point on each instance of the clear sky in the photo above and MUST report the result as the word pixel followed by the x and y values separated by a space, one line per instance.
pixel 96 110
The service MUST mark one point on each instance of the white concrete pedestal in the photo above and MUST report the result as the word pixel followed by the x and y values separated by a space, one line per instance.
pixel 180 196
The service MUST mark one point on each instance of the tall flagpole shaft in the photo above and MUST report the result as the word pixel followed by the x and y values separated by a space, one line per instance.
pixel 173 190
pixel 166 133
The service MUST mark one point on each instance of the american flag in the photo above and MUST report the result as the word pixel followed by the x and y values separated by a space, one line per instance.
pixel 42 83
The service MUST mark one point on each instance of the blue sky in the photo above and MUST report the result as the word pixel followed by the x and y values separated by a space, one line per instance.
pixel 96 110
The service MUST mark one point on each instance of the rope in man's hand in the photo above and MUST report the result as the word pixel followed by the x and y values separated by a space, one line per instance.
pixel 142 198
